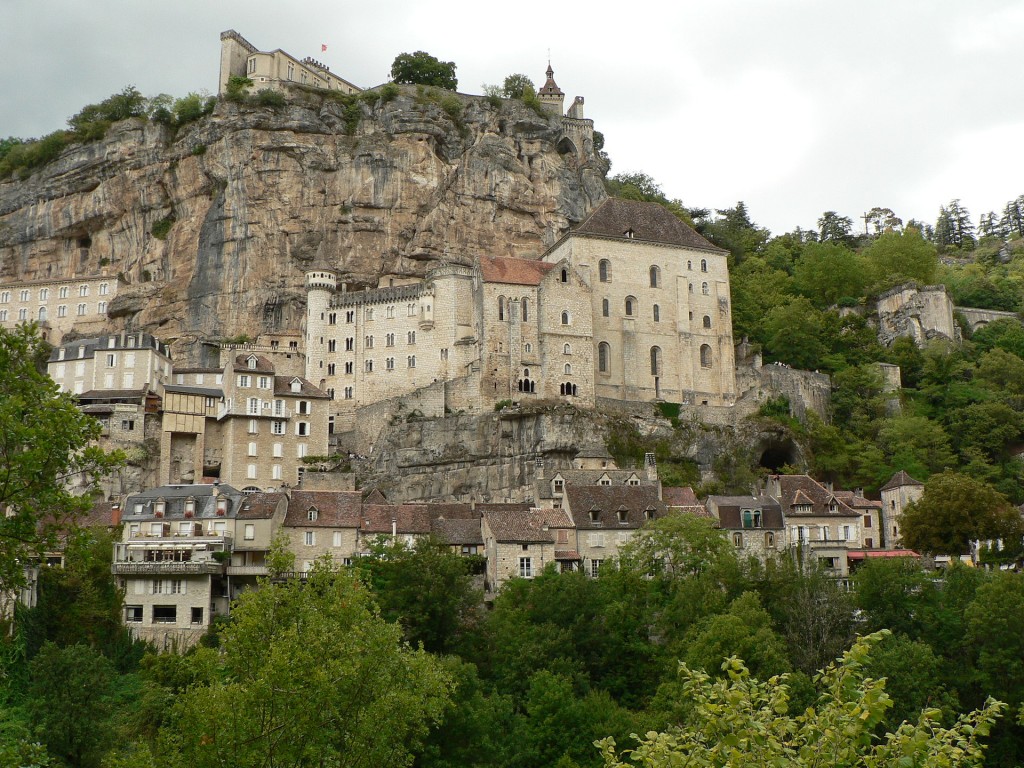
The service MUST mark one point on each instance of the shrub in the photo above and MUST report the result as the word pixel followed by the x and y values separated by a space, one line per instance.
pixel 199 149
pixel 267 97
pixel 389 92
pixel 162 227
pixel 237 88
pixel 192 107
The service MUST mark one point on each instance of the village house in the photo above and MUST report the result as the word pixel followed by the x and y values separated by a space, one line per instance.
pixel 896 494
pixel 59 305
pixel 754 524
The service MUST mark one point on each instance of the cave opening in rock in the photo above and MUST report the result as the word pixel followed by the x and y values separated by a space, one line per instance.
pixel 777 455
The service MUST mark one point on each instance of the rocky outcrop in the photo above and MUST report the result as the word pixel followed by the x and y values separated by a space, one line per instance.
pixel 253 196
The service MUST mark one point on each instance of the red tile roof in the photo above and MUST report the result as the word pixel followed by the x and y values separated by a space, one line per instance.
pixel 283 387
pixel 503 269
pixel 518 527
pixel 798 490
pixel 606 502
pixel 679 497
pixel 335 509
pixel 899 479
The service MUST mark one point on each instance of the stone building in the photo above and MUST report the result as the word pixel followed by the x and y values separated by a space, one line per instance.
pixel 900 491
pixel 754 524
pixel 117 361
pixel 59 305
pixel 522 543
pixel 660 305
pixel 273 69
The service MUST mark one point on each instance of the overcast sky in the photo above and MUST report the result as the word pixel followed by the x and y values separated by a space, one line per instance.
pixel 793 106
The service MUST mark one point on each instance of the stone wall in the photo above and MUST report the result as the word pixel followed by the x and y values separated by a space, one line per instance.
pixel 978 318
pixel 919 313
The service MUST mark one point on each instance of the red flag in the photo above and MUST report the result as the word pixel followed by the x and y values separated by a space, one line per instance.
pixel 323 46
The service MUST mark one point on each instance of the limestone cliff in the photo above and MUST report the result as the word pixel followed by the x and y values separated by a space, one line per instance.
pixel 254 195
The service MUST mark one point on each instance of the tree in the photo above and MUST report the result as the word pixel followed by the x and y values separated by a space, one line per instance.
pixel 69 701
pixel 44 446
pixel 883 220
pixel 514 86
pixel 829 271
pixel 793 334
pixel 744 630
pixel 677 547
pixel 895 258
pixel 835 228
pixel 420 68
pixel 740 721
pixel 955 510
pixel 953 228
pixel 993 629
pixel 308 675
pixel 426 589
pixel 916 445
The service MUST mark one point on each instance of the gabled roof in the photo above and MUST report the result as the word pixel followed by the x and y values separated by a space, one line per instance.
pixel 504 269
pixel 729 511
pixel 263 364
pixel 550 88
pixel 458 532
pixel 646 221
pixel 518 526
pixel 335 509
pixel 606 502
pixel 259 506
pixel 283 386
pixel 408 518
pixel 679 497
pixel 901 478
pixel 800 490
pixel 854 501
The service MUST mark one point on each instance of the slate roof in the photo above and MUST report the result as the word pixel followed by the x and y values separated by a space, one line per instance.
pixel 259 506
pixel 458 532
pixel 805 490
pixel 730 508
pixel 550 88
pixel 409 518
pixel 263 364
pixel 186 389
pixel 608 501
pixel 335 509
pixel 857 502
pixel 899 479
pixel 647 221
pixel 618 477
pixel 174 497
pixel 503 269
pixel 112 394
pixel 518 526
pixel 283 387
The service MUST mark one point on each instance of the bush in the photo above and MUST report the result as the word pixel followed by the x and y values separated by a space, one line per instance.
pixel 199 149
pixel 237 88
pixel 192 107
pixel 389 92
pixel 267 97
pixel 162 227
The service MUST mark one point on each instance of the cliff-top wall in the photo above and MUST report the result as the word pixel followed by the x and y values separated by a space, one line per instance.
pixel 253 196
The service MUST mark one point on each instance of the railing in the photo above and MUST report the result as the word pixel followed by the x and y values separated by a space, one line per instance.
pixel 248 570
pixel 125 568
pixel 242 409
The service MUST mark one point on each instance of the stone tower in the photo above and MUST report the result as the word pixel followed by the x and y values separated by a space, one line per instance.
pixel 321 283
pixel 551 95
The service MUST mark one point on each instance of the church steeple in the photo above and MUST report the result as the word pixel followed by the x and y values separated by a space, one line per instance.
pixel 551 95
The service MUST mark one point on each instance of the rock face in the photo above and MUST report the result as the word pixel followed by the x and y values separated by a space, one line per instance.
pixel 256 195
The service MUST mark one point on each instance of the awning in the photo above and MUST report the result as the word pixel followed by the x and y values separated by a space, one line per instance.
pixel 567 554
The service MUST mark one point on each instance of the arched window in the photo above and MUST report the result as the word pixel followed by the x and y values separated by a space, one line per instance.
pixel 565 275
pixel 703 265
pixel 501 307
pixel 42 314
pixel 689 265
pixel 604 353
pixel 657 313
pixel 707 321
pixel 705 356
pixel 604 308
pixel 526 309
pixel 655 277
pixel 630 306
pixel 604 271
pixel 566 350
pixel 565 318
pixel 704 289
pixel 568 369
pixel 655 361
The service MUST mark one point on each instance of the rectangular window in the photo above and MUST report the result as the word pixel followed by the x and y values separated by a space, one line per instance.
pixel 595 566
pixel 251 472
pixel 302 428
pixel 253 406
pixel 157 587
pixel 197 615
pixel 263 382
pixel 177 587
pixel 111 361
pixel 336 539
pixel 275 472
pixel 867 521
pixel 243 380
pixel 250 531
pixel 278 450
pixel 165 614
pixel 310 539
pixel 254 426
pixel 133 613
pixel 252 449
pixel 525 568
pixel 301 450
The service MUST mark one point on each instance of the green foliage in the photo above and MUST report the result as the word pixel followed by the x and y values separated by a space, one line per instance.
pixel 192 107
pixel 310 674
pixel 742 721
pixel 955 510
pixel 268 97
pixel 44 441
pixel 829 272
pixel 420 68
pixel 389 92
pixel 896 258
pixel 92 121
pixel 776 408
pixel 745 631
pixel 515 85
pixel 69 702
pixel 640 186
pixel 426 590
pixel 237 88
pixel 162 227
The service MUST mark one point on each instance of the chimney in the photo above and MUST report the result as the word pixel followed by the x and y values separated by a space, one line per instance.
pixel 651 465
pixel 394 527
pixel 115 513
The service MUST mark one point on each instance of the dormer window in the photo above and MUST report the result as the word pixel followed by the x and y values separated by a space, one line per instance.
pixel 312 514
pixel 629 234
pixel 296 386
pixel 222 506
pixel 252 362
pixel 833 506
pixel 160 508
pixel 648 514
pixel 558 485
pixel 190 507
pixel 595 516
pixel 623 516
pixel 751 518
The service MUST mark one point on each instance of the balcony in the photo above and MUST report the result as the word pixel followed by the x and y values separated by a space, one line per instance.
pixel 165 568
pixel 248 570
pixel 242 410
